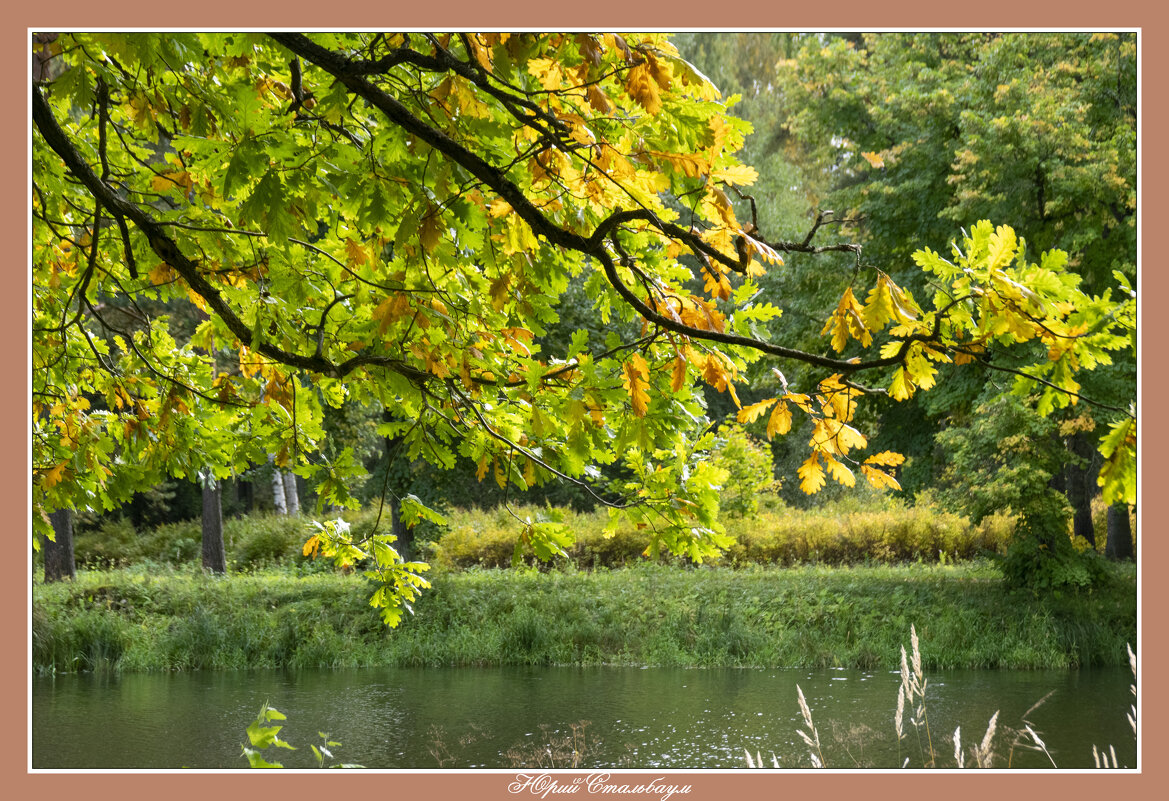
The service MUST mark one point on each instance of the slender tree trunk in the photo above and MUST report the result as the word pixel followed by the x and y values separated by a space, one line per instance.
pixel 278 502
pixel 244 495
pixel 214 557
pixel 291 495
pixel 59 552
pixel 1079 492
pixel 1119 545
pixel 404 541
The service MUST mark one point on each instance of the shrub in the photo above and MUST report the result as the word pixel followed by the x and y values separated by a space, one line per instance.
pixel 748 464
pixel 488 539
pixel 173 543
pixel 260 540
pixel 774 536
pixel 112 543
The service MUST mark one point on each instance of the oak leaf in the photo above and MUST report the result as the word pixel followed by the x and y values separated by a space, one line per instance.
pixel 635 379
pixel 780 421
pixel 749 414
pixel 643 88
pixel 811 475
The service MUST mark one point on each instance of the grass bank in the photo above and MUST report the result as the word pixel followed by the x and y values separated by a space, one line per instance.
pixel 152 618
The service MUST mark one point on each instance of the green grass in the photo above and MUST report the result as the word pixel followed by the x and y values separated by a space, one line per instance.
pixel 153 618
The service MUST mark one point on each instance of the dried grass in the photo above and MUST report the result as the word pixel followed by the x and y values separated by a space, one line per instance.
pixel 911 697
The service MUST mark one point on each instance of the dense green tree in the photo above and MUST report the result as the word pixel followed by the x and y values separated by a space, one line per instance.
pixel 1004 457
pixel 917 134
pixel 389 219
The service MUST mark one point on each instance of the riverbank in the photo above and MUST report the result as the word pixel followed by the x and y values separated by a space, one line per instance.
pixel 139 619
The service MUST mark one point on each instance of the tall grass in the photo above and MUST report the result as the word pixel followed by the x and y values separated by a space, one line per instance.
pixel 1100 757
pixel 911 698
pixel 160 619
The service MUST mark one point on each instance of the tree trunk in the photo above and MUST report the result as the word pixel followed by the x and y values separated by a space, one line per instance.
pixel 214 558
pixel 1079 492
pixel 404 542
pixel 277 490
pixel 1119 545
pixel 245 495
pixel 59 552
pixel 291 495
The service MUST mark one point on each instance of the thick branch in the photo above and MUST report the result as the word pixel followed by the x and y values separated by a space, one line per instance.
pixel 349 73
pixel 343 70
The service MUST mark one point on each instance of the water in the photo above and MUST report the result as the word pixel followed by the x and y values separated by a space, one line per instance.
pixel 498 717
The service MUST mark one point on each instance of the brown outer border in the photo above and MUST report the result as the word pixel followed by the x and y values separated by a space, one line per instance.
pixel 538 14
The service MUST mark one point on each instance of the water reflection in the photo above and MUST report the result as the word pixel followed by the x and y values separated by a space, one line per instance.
pixel 616 717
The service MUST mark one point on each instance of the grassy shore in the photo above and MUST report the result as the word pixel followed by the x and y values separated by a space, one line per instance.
pixel 154 618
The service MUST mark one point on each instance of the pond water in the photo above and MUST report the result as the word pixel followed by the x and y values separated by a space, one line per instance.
pixel 629 718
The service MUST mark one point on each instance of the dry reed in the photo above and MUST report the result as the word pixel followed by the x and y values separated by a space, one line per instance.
pixel 911 694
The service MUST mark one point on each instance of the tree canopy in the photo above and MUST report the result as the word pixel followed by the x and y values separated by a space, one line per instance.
pixel 914 134
pixel 234 231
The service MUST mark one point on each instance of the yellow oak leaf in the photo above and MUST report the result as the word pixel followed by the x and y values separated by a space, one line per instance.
pixel 390 310
pixel 846 321
pixel 715 282
pixel 480 50
pixel 689 164
pixel 597 99
pixel 850 438
pixel 312 546
pixel 900 388
pixel 678 374
pixel 722 205
pixel 643 88
pixel 167 181
pixel 749 414
pixel 498 208
pixel 55 476
pixel 635 379
pixel 197 299
pixel 765 251
pixel 886 458
pixel 431 232
pixel 1003 244
pixel 811 475
pixel 878 309
pixel 801 400
pixel 780 421
pixel 659 70
pixel 879 478
pixel 840 472
pixel 161 274
pixel 498 291
pixel 738 174
pixel 356 254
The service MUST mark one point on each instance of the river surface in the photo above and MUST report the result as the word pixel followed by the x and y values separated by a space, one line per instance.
pixel 457 718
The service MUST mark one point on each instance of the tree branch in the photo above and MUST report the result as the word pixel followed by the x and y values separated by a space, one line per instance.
pixel 351 75
pixel 166 248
